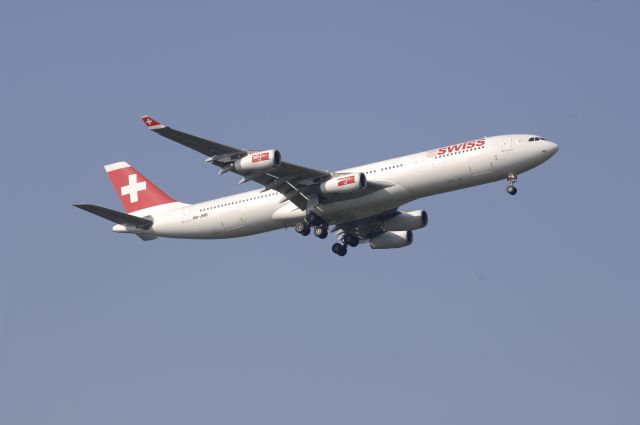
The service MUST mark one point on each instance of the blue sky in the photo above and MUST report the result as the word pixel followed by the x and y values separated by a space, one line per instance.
pixel 504 310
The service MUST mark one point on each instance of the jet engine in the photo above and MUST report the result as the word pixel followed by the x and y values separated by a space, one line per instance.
pixel 345 184
pixel 258 161
pixel 406 220
pixel 393 239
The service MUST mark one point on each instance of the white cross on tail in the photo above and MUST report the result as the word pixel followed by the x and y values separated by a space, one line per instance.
pixel 133 188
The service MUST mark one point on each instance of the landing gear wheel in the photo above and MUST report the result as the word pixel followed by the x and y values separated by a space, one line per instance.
pixel 339 249
pixel 303 229
pixel 313 219
pixel 320 232
pixel 351 240
pixel 511 190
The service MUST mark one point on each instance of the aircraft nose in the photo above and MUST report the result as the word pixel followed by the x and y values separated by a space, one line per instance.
pixel 550 148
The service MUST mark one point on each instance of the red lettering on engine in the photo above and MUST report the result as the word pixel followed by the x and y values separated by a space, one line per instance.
pixel 259 157
pixel 346 180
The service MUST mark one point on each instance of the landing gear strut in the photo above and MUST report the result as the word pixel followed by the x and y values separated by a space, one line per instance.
pixel 511 179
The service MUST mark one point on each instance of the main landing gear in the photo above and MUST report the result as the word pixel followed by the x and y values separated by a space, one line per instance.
pixel 351 240
pixel 312 219
pixel 339 249
pixel 347 240
pixel 321 230
pixel 511 179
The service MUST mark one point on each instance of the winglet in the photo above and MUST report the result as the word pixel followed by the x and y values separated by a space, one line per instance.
pixel 151 123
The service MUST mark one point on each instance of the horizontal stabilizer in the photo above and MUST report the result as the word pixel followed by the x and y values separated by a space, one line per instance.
pixel 116 216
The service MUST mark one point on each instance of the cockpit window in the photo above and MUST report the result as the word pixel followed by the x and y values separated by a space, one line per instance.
pixel 535 139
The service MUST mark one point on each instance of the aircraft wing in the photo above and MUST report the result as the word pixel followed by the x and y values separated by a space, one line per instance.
pixel 296 182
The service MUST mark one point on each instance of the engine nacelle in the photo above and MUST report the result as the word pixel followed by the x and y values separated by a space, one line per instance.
pixel 345 184
pixel 391 240
pixel 258 161
pixel 406 220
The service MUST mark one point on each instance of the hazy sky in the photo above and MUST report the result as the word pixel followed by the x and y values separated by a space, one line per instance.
pixel 504 310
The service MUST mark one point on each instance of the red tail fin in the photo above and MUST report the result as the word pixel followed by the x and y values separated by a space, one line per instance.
pixel 136 192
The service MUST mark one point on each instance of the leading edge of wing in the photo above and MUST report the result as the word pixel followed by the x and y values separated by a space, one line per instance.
pixel 220 154
pixel 199 144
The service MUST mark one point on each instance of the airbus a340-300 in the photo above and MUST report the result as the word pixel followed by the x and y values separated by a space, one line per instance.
pixel 358 204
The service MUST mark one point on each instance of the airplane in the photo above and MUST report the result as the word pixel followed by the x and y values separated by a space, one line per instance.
pixel 362 203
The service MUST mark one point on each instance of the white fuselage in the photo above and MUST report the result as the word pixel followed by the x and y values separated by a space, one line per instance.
pixel 406 178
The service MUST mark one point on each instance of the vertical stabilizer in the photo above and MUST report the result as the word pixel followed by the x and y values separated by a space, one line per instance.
pixel 136 192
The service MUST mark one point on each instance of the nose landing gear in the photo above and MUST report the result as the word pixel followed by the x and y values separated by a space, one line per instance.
pixel 511 179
